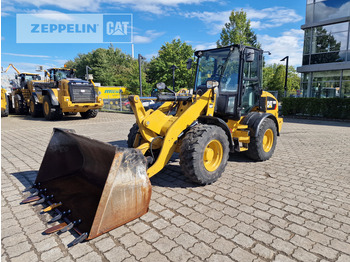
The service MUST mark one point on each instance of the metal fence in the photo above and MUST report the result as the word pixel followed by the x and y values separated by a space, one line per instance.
pixel 120 104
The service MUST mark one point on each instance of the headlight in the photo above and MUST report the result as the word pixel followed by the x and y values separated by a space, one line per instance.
pixel 212 84
pixel 161 86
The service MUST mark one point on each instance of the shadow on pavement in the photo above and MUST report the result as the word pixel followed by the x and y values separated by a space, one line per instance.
pixel 119 143
pixel 42 119
pixel 171 175
pixel 239 157
pixel 27 178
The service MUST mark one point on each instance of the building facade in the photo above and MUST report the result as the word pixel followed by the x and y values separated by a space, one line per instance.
pixel 325 70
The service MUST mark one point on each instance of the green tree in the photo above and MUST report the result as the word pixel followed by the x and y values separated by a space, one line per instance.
pixel 174 53
pixel 132 79
pixel 274 79
pixel 110 67
pixel 268 72
pixel 238 31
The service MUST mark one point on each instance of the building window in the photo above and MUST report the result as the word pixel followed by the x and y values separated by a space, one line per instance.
pixel 326 44
pixel 345 89
pixel 305 83
pixel 326 84
pixel 321 10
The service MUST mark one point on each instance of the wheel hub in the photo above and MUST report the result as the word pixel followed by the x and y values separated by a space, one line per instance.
pixel 212 156
pixel 31 106
pixel 268 140
pixel 46 108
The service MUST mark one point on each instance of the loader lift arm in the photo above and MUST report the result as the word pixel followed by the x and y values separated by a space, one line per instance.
pixel 175 125
pixel 7 69
pixel 213 122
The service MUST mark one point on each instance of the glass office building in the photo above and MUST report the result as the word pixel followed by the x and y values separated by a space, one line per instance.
pixel 325 70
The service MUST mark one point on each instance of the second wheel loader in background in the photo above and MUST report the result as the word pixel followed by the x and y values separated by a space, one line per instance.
pixel 20 93
pixel 100 187
pixel 63 93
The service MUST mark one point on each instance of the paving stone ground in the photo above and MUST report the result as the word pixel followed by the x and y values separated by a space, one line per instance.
pixel 294 207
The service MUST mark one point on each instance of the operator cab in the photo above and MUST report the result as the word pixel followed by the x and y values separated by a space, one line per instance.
pixel 24 78
pixel 237 70
pixel 57 74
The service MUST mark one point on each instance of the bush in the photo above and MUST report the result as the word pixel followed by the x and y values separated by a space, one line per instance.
pixel 321 107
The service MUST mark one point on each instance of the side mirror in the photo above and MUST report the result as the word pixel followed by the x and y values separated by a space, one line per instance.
pixel 189 63
pixel 250 55
pixel 161 86
pixel 212 84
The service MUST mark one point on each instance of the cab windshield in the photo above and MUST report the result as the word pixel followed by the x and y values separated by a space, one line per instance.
pixel 63 74
pixel 31 77
pixel 221 65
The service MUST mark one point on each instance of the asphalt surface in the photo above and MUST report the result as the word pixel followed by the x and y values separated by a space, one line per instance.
pixel 293 207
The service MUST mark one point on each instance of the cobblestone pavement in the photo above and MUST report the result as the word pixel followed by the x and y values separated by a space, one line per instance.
pixel 294 207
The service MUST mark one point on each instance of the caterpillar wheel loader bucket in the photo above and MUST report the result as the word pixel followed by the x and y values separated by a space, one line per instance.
pixel 98 186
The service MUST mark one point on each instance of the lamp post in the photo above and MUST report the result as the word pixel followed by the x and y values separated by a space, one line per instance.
pixel 87 68
pixel 173 67
pixel 285 80
pixel 140 58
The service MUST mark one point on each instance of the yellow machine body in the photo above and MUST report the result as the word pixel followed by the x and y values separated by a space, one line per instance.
pixel 4 103
pixel 64 98
pixel 157 124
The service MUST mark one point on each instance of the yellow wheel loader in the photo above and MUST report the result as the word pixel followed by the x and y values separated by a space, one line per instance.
pixel 20 95
pixel 63 93
pixel 93 187
pixel 228 112
pixel 4 103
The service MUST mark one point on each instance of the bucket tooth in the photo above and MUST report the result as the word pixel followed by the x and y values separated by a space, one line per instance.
pixel 55 228
pixel 38 191
pixel 35 185
pixel 78 240
pixel 103 185
pixel 52 207
pixel 30 199
pixel 43 199
pixel 35 193
pixel 70 226
pixel 59 216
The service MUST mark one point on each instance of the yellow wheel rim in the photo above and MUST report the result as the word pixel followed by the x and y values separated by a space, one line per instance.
pixel 46 108
pixel 31 106
pixel 212 156
pixel 268 140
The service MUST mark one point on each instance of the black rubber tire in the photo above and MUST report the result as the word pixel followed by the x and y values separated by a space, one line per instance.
pixel 36 110
pixel 151 156
pixel 19 105
pixel 11 109
pixel 132 135
pixel 255 147
pixel 53 113
pixel 192 153
pixel 91 113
